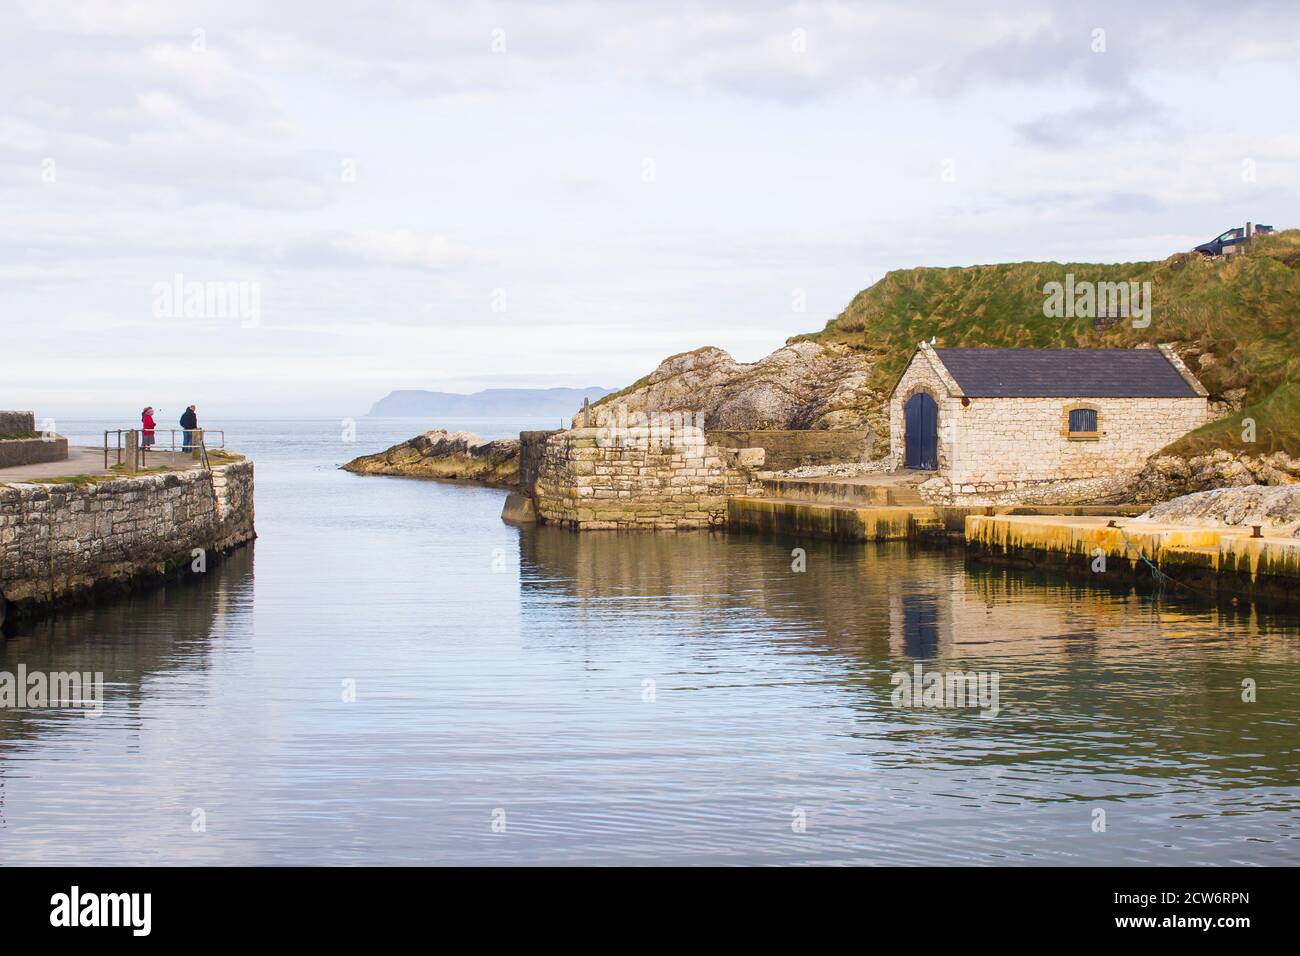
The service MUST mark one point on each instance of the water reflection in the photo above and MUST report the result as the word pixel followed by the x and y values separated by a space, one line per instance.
pixel 1107 695
pixel 132 639
pixel 633 698
pixel 172 634
pixel 920 624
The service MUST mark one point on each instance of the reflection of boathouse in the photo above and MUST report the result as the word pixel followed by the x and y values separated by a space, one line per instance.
pixel 926 603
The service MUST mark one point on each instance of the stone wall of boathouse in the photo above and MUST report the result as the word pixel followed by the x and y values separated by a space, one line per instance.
pixel 60 541
pixel 612 479
pixel 1018 450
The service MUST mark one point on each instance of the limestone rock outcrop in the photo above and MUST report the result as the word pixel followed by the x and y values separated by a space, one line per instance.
pixel 804 385
pixel 1276 508
pixel 1169 476
pixel 449 455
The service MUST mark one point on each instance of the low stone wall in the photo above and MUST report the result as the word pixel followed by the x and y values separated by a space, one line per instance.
pixel 1109 489
pixel 27 450
pixel 795 448
pixel 590 480
pixel 32 451
pixel 61 541
pixel 11 422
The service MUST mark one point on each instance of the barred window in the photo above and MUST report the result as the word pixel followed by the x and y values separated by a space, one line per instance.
pixel 1083 420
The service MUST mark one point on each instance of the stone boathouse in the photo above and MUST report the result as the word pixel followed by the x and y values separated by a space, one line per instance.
pixel 994 423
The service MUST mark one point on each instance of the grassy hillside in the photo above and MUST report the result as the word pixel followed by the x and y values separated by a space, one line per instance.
pixel 1237 318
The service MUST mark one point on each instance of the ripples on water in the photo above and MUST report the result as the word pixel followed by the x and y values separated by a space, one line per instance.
pixel 632 699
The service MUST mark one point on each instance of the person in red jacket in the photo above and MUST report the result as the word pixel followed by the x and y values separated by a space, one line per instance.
pixel 148 425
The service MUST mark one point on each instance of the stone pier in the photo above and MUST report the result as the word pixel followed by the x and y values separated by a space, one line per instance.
pixel 1209 561
pixel 60 542
pixel 606 479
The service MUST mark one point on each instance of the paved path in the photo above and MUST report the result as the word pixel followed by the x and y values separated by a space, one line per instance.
pixel 89 460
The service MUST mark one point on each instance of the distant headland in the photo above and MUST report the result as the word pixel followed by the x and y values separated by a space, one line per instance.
pixel 491 402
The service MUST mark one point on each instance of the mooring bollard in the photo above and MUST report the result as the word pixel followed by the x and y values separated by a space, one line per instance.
pixel 132 451
pixel 1257 531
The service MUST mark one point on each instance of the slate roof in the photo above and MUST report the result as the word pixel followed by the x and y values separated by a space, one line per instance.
pixel 1065 373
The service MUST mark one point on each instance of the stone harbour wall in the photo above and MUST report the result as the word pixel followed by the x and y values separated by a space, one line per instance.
pixel 590 479
pixel 61 541
pixel 532 449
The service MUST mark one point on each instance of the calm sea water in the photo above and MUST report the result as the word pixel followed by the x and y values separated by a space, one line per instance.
pixel 535 696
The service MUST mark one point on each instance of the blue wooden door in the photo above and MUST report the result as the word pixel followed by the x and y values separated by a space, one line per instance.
pixel 921 432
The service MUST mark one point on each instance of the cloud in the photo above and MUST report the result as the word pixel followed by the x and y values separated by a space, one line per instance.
pixel 403 247
pixel 1120 114
pixel 766 50
pixel 499 146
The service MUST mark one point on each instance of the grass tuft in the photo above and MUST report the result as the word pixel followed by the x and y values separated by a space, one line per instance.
pixel 116 472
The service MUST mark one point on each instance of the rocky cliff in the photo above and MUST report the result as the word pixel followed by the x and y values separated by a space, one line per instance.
pixel 805 385
pixel 448 455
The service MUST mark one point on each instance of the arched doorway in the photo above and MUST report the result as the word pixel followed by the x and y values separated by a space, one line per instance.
pixel 921 432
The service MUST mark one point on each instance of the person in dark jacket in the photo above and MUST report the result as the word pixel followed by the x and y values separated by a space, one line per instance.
pixel 189 422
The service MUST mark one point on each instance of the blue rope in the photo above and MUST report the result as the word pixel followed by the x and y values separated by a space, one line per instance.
pixel 1159 576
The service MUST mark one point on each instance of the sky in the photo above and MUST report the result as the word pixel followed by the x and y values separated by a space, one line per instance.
pixel 353 198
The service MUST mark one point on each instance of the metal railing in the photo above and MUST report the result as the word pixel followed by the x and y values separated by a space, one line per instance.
pixel 136 445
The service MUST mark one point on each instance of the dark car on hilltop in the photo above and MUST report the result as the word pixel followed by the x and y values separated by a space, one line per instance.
pixel 1232 237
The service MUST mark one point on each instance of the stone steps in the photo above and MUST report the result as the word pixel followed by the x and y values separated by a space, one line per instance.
pixel 905 495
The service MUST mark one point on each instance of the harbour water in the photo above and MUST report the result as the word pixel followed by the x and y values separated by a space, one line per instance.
pixel 393 675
